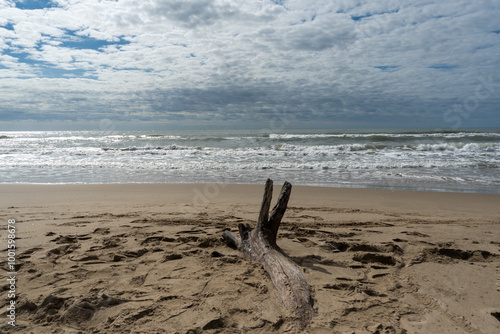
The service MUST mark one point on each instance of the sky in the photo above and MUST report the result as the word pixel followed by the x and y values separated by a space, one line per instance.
pixel 175 64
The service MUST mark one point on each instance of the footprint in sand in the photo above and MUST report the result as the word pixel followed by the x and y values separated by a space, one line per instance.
pixel 58 252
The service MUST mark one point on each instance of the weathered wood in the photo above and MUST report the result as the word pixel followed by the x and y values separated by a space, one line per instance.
pixel 259 244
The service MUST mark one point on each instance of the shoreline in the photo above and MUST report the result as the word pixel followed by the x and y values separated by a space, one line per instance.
pixel 149 258
pixel 222 184
pixel 204 193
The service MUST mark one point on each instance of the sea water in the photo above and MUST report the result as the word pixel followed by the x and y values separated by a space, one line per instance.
pixel 462 161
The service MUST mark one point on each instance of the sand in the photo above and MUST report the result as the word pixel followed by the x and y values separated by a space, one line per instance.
pixel 150 259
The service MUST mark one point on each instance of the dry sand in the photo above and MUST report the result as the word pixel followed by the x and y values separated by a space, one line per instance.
pixel 149 259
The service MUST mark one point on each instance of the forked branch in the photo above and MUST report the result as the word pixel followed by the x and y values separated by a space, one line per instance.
pixel 259 244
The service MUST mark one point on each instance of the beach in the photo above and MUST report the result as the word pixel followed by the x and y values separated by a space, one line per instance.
pixel 149 258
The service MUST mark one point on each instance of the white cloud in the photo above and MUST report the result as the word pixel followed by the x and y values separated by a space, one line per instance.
pixel 322 58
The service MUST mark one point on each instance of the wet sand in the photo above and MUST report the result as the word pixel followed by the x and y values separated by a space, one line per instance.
pixel 150 259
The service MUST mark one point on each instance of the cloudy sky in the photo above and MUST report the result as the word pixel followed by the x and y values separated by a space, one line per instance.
pixel 90 64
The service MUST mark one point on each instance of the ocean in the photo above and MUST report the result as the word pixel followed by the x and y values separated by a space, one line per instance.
pixel 457 161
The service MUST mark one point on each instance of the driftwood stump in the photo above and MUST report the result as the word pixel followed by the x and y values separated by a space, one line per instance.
pixel 259 244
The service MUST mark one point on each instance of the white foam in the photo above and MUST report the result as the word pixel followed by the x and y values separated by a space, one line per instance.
pixel 315 158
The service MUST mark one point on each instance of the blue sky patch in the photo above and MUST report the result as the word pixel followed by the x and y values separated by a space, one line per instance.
pixel 279 2
pixel 180 44
pixel 90 43
pixel 443 67
pixel 55 72
pixel 44 69
pixel 84 42
pixel 22 57
pixel 387 68
pixel 360 17
pixel 34 4
pixel 8 26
